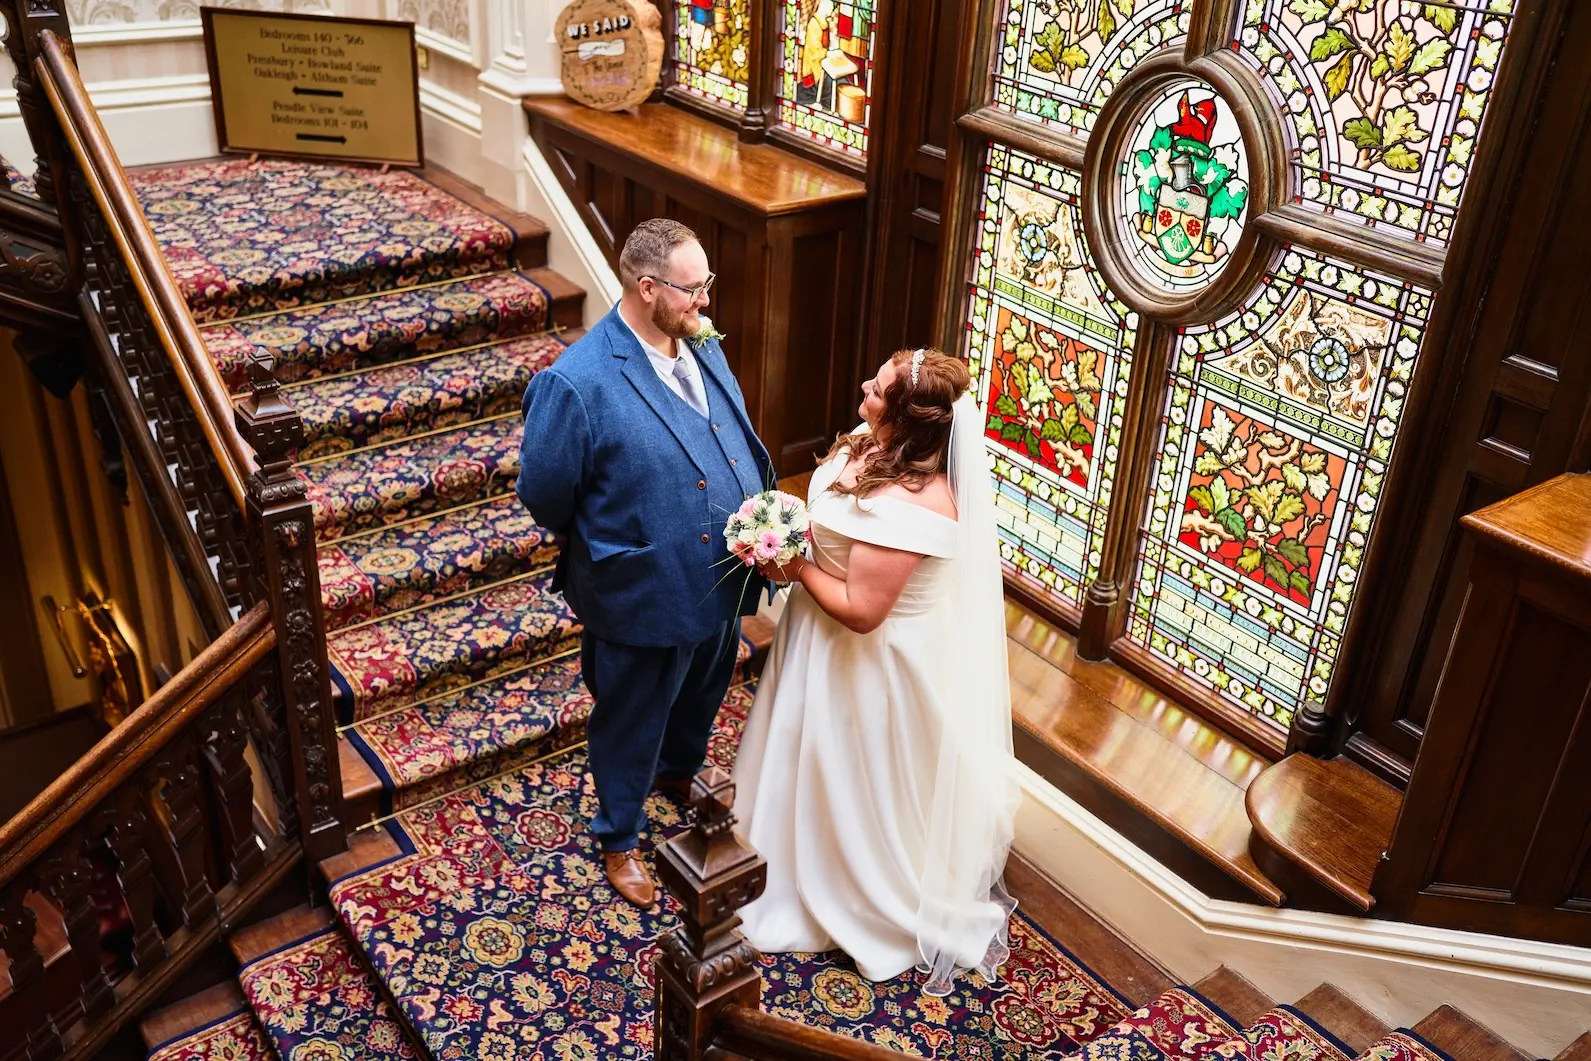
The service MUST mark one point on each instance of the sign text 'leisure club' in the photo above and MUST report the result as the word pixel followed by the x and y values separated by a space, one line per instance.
pixel 314 86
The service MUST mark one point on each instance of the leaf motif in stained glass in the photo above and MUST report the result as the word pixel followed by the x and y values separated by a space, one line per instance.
pixel 1382 102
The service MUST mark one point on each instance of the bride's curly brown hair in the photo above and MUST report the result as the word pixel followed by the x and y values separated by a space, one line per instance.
pixel 917 418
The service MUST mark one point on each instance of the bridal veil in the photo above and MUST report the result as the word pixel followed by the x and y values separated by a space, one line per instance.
pixel 964 906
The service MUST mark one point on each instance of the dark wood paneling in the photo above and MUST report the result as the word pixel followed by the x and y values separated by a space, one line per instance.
pixel 1503 387
pixel 1493 834
pixel 784 235
pixel 914 115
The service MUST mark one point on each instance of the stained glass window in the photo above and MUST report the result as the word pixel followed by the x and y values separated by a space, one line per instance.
pixel 710 49
pixel 1050 351
pixel 1185 187
pixel 826 71
pixel 1276 433
pixel 1382 101
pixel 1057 62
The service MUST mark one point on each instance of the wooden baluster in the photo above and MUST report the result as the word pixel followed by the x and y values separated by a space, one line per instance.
pixel 36 1036
pixel 71 884
pixel 129 824
pixel 232 783
pixel 706 964
pixel 178 767
pixel 284 554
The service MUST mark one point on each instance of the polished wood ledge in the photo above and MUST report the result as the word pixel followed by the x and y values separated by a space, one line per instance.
pixel 1322 824
pixel 1157 773
pixel 760 177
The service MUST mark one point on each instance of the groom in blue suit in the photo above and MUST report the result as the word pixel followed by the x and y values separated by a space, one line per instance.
pixel 637 448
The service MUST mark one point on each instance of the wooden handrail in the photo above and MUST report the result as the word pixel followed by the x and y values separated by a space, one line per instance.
pixel 157 288
pixel 94 777
pixel 769 1038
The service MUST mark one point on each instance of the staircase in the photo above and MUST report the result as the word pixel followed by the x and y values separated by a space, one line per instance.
pixel 469 917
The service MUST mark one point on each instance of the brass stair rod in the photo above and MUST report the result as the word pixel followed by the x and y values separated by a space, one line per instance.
pixel 54 611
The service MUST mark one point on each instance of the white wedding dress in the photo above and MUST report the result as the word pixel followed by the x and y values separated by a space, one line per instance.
pixel 874 772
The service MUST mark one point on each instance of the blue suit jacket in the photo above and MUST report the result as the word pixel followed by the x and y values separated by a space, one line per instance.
pixel 605 464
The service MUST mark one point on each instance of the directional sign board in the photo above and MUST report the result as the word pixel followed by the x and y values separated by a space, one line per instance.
pixel 312 86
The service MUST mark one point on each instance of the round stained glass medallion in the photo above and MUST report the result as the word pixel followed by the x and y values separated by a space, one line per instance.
pixel 1184 187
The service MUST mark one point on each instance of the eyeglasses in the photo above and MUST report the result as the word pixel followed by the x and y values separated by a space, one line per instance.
pixel 694 292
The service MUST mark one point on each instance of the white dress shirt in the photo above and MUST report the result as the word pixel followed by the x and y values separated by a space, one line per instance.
pixel 671 370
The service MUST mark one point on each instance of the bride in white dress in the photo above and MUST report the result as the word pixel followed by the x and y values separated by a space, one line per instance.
pixel 875 770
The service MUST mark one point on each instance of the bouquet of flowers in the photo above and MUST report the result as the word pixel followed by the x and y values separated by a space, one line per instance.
pixel 770 527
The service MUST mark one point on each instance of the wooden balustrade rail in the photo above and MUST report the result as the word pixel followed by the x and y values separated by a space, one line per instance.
pixel 754 1034
pixel 79 122
pixel 127 748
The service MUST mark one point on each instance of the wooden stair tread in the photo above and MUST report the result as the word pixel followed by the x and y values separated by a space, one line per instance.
pixel 761 177
pixel 1332 817
pixel 1462 1038
pixel 1095 943
pixel 361 786
pixel 366 847
pixel 1343 1017
pixel 530 233
pixel 192 1013
pixel 567 297
pixel 1238 998
pixel 1579 1050
pixel 1164 763
pixel 276 932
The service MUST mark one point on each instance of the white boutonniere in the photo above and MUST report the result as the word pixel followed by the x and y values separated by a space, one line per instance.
pixel 705 333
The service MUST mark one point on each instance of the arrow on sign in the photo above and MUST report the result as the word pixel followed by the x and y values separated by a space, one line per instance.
pixel 327 139
pixel 317 91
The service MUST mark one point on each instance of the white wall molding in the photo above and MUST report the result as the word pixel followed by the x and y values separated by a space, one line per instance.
pixel 459 51
pixel 121 33
pixel 1535 995
pixel 572 250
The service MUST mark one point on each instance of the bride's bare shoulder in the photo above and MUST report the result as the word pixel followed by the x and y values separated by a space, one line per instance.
pixel 934 495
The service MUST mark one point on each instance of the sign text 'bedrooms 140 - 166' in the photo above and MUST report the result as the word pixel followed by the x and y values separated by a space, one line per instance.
pixel 312 85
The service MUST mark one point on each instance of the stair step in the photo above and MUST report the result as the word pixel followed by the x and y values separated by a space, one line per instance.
pixel 1319 829
pixel 192 1016
pixel 402 480
pixel 1343 1017
pixel 425 750
pixel 1460 1037
pixel 1115 959
pixel 1285 1032
pixel 311 993
pixel 405 565
pixel 376 405
pixel 1237 998
pixel 530 233
pixel 414 655
pixel 244 237
pixel 1179 1023
pixel 335 337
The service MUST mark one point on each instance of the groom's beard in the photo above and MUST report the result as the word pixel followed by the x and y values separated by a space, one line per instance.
pixel 672 324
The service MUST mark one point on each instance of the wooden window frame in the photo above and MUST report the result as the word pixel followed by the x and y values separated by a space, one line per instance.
pixel 1100 623
pixel 758 122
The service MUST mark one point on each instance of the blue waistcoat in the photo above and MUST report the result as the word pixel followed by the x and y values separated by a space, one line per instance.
pixel 635 478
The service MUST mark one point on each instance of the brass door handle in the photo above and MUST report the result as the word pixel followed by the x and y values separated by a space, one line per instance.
pixel 54 610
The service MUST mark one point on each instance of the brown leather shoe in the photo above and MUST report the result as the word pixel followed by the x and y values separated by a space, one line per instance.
pixel 627 873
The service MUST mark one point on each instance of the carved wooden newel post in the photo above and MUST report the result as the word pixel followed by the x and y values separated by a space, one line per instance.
pixel 283 524
pixel 706 964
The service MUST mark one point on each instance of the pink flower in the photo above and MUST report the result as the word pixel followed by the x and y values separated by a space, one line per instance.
pixel 768 545
pixel 744 552
pixel 747 507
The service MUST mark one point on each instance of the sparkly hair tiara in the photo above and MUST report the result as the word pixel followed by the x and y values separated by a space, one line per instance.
pixel 917 363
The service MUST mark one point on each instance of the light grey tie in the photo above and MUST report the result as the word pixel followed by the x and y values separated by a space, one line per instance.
pixel 682 372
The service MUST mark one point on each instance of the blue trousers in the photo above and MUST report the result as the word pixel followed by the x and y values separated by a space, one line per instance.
pixel 653 714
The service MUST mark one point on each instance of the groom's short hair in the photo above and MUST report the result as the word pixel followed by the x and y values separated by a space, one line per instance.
pixel 648 248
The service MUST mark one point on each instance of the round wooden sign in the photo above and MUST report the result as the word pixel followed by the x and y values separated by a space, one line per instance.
pixel 612 52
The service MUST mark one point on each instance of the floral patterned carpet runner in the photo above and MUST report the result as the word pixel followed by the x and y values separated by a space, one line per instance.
pixel 405 338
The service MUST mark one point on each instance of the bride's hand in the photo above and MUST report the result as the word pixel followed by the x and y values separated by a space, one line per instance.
pixel 789 573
